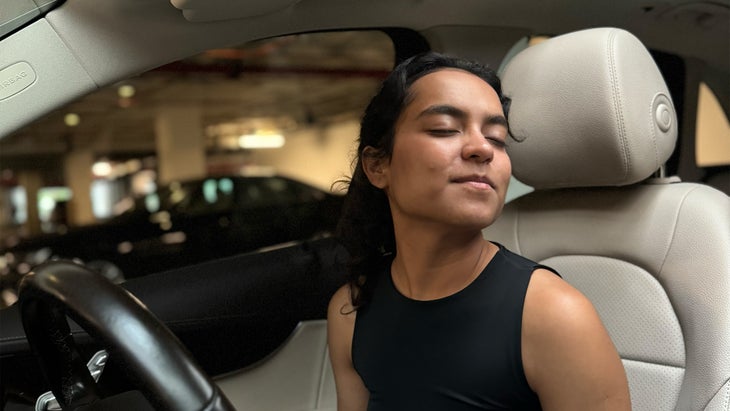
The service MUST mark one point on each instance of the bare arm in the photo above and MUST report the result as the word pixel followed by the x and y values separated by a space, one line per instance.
pixel 568 356
pixel 351 392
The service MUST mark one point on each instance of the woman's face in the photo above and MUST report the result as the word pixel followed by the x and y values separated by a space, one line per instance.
pixel 449 164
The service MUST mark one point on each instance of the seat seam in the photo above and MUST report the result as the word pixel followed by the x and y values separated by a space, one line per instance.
pixel 664 260
pixel 320 386
pixel 726 386
pixel 617 102
pixel 674 231
pixel 652 129
pixel 654 363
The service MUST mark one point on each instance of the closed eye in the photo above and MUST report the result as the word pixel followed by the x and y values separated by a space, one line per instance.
pixel 442 132
pixel 497 142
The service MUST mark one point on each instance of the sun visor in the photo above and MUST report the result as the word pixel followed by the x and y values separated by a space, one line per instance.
pixel 38 74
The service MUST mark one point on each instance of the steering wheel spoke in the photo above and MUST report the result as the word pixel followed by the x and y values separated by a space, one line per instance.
pixel 58 355
pixel 155 359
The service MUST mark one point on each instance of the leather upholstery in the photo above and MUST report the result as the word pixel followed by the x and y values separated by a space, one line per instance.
pixel 653 255
pixel 606 76
pixel 298 376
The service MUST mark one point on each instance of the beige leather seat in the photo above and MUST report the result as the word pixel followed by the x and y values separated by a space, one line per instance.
pixel 296 377
pixel 653 254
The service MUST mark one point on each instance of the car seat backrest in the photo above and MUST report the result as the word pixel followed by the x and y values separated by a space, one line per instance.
pixel 298 376
pixel 596 121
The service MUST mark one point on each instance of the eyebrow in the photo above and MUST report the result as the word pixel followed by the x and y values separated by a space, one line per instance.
pixel 494 119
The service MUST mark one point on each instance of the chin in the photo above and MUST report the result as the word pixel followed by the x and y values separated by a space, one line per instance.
pixel 478 222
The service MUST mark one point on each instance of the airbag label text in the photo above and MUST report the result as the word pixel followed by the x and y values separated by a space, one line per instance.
pixel 15 78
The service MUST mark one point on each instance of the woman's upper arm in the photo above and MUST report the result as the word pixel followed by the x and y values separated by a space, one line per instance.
pixel 351 392
pixel 568 356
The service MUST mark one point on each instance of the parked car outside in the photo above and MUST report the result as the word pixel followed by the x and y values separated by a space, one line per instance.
pixel 188 222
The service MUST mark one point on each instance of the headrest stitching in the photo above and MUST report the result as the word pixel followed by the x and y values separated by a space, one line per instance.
pixel 652 129
pixel 618 103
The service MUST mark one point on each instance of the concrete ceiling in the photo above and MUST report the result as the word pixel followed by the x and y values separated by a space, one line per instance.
pixel 303 80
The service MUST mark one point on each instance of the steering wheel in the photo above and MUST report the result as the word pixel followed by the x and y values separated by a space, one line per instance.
pixel 153 357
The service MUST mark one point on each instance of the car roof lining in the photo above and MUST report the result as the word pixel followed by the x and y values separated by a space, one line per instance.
pixel 105 41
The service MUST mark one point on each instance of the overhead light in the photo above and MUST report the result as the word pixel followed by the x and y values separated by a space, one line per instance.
pixel 254 141
pixel 72 119
pixel 253 170
pixel 102 168
pixel 126 91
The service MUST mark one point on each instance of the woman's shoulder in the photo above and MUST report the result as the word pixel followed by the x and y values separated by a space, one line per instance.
pixel 557 316
pixel 341 321
pixel 341 302
pixel 521 261
pixel 563 334
pixel 550 298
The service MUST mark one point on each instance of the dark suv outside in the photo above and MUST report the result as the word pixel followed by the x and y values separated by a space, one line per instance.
pixel 188 222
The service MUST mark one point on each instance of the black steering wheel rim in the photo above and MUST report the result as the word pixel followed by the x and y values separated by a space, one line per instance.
pixel 153 357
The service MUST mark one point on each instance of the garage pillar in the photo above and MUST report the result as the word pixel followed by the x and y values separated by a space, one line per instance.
pixel 31 181
pixel 78 177
pixel 180 144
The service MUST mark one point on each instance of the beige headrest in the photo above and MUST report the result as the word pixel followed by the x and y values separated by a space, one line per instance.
pixel 592 108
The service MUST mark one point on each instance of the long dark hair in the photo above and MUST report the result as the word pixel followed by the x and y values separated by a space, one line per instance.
pixel 366 224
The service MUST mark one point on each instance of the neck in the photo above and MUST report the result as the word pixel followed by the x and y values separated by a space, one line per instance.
pixel 431 265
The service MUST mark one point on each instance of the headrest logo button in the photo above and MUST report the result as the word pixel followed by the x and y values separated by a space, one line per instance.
pixel 663 117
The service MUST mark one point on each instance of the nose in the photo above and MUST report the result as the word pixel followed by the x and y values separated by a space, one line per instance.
pixel 476 147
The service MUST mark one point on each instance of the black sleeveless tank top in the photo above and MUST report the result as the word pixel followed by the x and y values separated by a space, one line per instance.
pixel 461 352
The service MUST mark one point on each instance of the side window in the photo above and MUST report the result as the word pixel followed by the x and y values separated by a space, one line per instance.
pixel 191 138
pixel 713 131
pixel 289 105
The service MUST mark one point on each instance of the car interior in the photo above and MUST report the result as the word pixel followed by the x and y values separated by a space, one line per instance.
pixel 607 192
pixel 644 271
pixel 645 248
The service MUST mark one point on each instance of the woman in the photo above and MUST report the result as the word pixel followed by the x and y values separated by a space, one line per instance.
pixel 435 316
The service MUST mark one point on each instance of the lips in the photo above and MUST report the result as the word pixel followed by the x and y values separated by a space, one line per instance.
pixel 474 179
